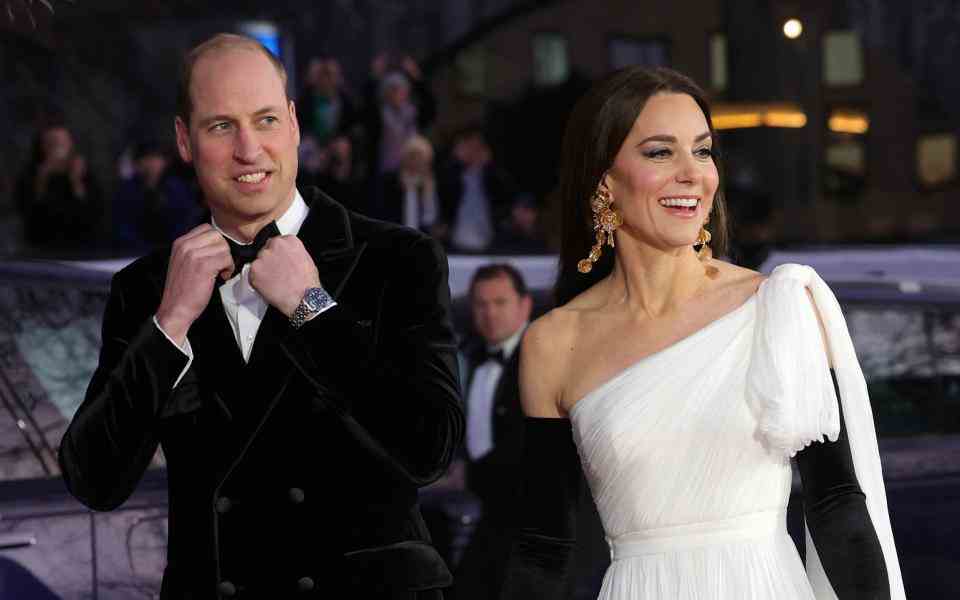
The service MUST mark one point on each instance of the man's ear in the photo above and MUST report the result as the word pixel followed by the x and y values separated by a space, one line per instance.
pixel 183 140
pixel 527 305
pixel 294 122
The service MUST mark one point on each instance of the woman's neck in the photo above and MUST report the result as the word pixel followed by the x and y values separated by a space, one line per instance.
pixel 652 281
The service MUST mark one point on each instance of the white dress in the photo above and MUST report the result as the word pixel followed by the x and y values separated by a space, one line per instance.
pixel 687 451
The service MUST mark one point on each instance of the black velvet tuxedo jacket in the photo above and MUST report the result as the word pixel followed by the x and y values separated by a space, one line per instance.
pixel 495 476
pixel 296 474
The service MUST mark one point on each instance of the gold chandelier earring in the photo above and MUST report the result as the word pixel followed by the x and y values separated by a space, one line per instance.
pixel 605 222
pixel 703 238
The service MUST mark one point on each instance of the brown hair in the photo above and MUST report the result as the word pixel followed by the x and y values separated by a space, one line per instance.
pixel 220 41
pixel 597 128
pixel 495 270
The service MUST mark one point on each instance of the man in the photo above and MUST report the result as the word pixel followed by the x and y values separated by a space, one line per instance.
pixel 154 206
pixel 501 307
pixel 475 192
pixel 300 398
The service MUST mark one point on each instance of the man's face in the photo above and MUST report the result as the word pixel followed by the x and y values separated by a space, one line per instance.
pixel 151 167
pixel 498 310
pixel 242 137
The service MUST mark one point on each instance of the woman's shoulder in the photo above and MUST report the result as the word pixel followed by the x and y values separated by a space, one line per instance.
pixel 728 278
pixel 550 334
pixel 544 358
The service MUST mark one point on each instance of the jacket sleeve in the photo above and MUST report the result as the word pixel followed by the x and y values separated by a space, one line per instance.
pixel 399 393
pixel 839 523
pixel 546 534
pixel 111 438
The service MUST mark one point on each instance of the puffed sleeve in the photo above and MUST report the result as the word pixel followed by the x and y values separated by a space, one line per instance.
pixel 792 394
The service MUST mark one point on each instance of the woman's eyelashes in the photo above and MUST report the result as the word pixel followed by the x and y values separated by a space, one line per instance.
pixel 661 153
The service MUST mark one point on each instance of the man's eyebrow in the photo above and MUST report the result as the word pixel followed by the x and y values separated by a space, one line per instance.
pixel 267 109
pixel 214 118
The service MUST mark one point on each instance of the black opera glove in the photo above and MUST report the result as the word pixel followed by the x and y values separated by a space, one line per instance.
pixel 546 533
pixel 836 512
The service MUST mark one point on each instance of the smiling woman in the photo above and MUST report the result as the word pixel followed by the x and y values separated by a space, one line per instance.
pixel 604 121
pixel 680 385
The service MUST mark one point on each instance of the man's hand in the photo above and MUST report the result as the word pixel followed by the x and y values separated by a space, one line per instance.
pixel 282 273
pixel 197 258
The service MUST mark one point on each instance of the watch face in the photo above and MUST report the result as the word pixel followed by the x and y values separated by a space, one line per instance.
pixel 315 298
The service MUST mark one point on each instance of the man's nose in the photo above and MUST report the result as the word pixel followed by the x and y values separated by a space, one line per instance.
pixel 246 148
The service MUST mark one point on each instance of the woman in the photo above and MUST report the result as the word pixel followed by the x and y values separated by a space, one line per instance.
pixel 685 383
pixel 410 194
pixel 57 196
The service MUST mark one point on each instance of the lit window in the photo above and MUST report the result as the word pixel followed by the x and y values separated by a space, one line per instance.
pixel 645 52
pixel 936 159
pixel 718 61
pixel 842 58
pixel 471 69
pixel 551 64
pixel 846 166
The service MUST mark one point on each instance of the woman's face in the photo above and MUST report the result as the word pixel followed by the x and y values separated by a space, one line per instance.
pixel 57 144
pixel 663 178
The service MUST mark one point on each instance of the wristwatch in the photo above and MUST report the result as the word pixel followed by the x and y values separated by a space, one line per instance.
pixel 315 300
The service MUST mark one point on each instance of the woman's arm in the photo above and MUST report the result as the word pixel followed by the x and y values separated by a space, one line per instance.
pixel 551 475
pixel 835 508
pixel 839 523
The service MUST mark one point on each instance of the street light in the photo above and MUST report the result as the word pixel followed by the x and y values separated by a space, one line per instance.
pixel 792 28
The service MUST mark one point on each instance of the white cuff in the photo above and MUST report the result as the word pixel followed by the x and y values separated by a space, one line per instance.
pixel 186 349
pixel 321 311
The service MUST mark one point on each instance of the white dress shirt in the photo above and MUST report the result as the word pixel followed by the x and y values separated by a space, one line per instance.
pixel 243 305
pixel 483 387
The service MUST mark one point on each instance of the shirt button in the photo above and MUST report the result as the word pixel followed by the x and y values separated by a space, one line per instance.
pixel 224 505
pixel 227 589
pixel 305 584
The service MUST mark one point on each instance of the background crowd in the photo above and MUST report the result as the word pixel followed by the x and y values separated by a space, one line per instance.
pixel 368 149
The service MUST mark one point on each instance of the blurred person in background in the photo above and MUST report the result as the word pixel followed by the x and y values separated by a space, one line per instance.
pixel 522 233
pixel 475 192
pixel 325 109
pixel 410 194
pixel 153 207
pixel 58 198
pixel 399 105
pixel 500 306
pixel 334 170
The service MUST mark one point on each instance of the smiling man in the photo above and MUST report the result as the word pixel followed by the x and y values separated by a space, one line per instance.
pixel 295 362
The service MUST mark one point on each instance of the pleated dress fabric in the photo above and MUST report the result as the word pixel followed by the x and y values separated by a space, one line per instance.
pixel 687 452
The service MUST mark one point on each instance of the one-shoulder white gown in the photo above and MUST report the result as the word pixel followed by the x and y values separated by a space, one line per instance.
pixel 686 452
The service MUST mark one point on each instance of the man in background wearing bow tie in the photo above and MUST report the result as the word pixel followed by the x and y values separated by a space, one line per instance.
pixel 295 362
pixel 501 306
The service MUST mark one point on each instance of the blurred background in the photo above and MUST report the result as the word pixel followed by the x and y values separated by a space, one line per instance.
pixel 839 133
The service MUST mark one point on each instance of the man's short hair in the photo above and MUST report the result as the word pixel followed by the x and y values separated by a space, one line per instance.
pixel 220 41
pixel 495 270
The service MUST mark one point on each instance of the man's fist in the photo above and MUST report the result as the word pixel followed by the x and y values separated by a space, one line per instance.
pixel 197 258
pixel 282 273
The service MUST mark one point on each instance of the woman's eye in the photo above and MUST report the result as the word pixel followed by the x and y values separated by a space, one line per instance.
pixel 658 153
pixel 705 152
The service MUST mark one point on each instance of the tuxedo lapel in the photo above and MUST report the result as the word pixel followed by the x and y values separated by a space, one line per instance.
pixel 328 238
pixel 216 353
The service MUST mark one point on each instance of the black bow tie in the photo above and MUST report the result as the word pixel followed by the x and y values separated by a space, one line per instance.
pixel 494 355
pixel 247 253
